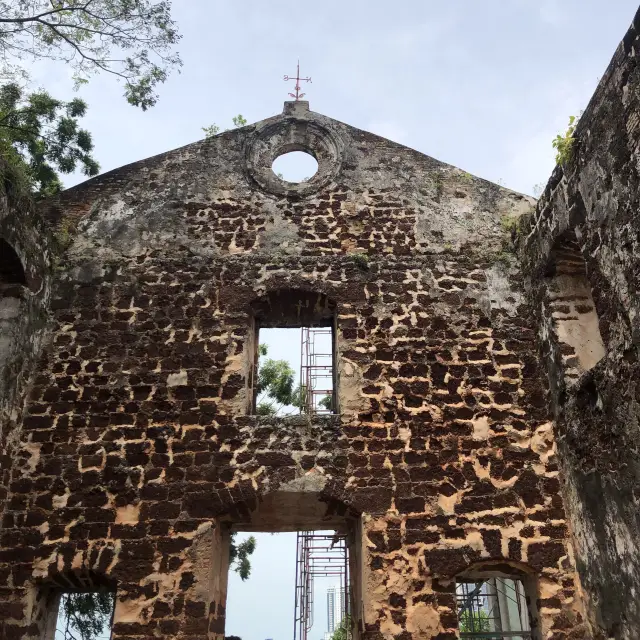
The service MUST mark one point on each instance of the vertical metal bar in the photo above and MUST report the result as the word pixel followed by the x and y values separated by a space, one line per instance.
pixel 334 368
pixel 301 384
pixel 295 610
pixel 255 368
pixel 345 586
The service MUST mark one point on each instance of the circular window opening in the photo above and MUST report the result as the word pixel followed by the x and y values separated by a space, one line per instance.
pixel 295 167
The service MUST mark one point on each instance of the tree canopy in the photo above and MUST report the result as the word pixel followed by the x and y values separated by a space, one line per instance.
pixel 239 556
pixel 130 39
pixel 276 385
pixel 40 137
pixel 342 631
pixel 277 393
pixel 85 615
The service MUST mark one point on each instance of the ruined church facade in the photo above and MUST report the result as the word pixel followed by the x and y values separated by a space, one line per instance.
pixel 485 368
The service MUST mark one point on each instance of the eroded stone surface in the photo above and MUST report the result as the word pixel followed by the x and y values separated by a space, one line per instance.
pixel 136 450
pixel 25 253
pixel 595 200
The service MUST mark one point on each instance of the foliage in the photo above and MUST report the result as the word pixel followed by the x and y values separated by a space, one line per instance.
pixel 474 622
pixel 509 223
pixel 342 630
pixel 276 386
pixel 40 136
pixel 86 615
pixel 239 556
pixel 213 129
pixel 563 144
pixel 361 260
pixel 130 39
pixel 239 121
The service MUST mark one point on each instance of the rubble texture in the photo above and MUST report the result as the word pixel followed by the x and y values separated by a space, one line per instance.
pixel 591 208
pixel 137 450
pixel 459 365
pixel 25 252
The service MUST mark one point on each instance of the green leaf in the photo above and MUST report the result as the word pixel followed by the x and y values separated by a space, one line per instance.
pixel 342 630
pixel 276 380
pixel 239 556
pixel 43 134
pixel 239 121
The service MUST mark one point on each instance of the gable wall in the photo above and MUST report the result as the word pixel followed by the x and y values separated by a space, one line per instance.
pixel 136 440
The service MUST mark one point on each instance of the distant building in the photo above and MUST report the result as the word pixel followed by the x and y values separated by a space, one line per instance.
pixel 335 609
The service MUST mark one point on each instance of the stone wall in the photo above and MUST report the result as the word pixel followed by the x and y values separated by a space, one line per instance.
pixel 24 294
pixel 595 200
pixel 137 450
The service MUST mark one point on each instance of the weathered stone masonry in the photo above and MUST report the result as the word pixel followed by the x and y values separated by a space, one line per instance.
pixel 135 450
pixel 136 443
pixel 25 252
pixel 594 202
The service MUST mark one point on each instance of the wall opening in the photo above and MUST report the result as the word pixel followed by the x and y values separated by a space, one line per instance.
pixel 493 607
pixel 295 166
pixel 294 370
pixel 572 309
pixel 12 274
pixel 305 577
pixel 73 615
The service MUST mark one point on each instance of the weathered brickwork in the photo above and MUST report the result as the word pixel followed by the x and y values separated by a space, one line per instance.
pixel 595 200
pixel 24 294
pixel 137 446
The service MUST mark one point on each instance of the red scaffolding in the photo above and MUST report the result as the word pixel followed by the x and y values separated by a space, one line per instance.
pixel 316 370
pixel 319 555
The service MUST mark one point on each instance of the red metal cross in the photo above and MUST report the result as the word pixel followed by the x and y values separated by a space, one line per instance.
pixel 297 95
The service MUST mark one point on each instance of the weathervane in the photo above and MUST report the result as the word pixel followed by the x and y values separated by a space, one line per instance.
pixel 297 95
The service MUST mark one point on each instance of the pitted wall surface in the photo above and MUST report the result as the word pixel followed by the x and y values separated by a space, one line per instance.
pixel 24 295
pixel 595 197
pixel 136 445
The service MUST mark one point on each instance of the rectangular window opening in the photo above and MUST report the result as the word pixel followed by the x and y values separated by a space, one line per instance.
pixel 493 609
pixel 295 371
pixel 301 582
pixel 81 614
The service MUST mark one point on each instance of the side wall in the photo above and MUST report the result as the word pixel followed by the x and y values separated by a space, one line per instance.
pixel 23 318
pixel 596 199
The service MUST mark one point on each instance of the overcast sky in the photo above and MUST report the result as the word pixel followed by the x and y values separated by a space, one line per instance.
pixel 482 84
